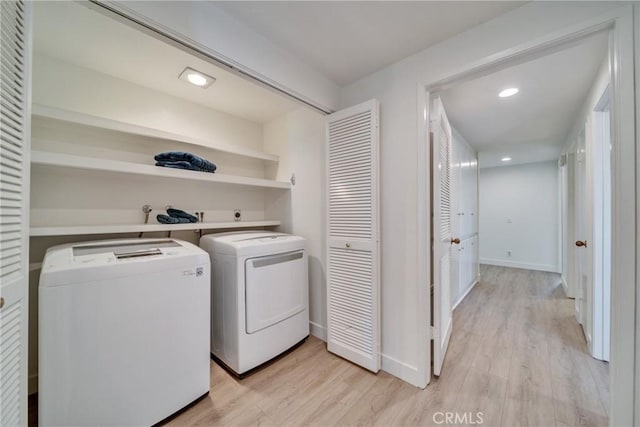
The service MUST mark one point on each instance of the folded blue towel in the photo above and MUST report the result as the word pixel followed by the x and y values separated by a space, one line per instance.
pixel 181 156
pixel 177 213
pixel 181 165
pixel 165 219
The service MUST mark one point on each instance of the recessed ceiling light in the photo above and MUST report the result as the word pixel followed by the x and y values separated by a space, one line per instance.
pixel 508 92
pixel 506 159
pixel 196 78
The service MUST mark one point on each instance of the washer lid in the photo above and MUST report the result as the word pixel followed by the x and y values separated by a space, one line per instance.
pixel 65 264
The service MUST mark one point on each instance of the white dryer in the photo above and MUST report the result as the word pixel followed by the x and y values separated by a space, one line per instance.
pixel 124 332
pixel 259 296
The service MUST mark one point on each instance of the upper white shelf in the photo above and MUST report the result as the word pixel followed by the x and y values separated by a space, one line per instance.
pixel 92 163
pixel 104 123
pixel 75 230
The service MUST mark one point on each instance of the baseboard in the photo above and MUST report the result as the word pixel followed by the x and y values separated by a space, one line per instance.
pixel 465 293
pixel 401 370
pixel 525 265
pixel 32 387
pixel 318 331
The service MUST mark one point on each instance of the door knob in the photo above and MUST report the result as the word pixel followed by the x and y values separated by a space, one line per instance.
pixel 348 245
pixel 1 302
pixel 580 243
pixel 455 241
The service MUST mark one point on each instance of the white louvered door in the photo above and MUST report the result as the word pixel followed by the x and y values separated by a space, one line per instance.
pixel 14 209
pixel 442 237
pixel 353 291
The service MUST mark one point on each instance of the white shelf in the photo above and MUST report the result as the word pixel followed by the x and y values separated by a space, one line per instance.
pixel 104 123
pixel 135 228
pixel 92 163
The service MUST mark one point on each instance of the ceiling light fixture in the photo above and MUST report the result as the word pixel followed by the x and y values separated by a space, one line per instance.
pixel 508 92
pixel 506 159
pixel 196 78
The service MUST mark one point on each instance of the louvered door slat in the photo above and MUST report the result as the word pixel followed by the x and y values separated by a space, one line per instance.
pixel 353 318
pixel 14 210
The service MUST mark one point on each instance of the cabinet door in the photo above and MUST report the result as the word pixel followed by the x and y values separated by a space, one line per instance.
pixel 14 208
pixel 353 289
pixel 473 188
pixel 475 258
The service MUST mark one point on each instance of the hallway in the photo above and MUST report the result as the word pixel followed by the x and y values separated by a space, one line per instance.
pixel 515 336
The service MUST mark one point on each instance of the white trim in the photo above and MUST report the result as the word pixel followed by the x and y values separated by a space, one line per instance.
pixel 514 264
pixel 625 348
pixel 636 25
pixel 318 331
pixel 423 373
pixel 401 370
pixel 465 294
pixel 624 215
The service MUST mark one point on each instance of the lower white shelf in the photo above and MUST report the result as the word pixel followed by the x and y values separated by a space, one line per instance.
pixel 136 228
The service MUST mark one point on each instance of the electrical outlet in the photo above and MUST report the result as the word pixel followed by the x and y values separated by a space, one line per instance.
pixel 237 215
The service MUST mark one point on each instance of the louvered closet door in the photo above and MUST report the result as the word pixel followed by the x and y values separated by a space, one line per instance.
pixel 353 300
pixel 442 195
pixel 14 213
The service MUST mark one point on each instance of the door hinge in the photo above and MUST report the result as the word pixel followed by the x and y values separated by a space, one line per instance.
pixel 432 333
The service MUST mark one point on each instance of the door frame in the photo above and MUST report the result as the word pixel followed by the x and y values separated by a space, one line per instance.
pixel 619 22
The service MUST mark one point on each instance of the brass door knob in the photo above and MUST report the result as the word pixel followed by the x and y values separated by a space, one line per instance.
pixel 455 241
pixel 581 243
pixel 1 302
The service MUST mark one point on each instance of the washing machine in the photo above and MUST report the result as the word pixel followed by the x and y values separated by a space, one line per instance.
pixel 123 332
pixel 259 296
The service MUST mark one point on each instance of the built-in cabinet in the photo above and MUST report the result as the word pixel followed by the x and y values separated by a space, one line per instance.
pixel 464 193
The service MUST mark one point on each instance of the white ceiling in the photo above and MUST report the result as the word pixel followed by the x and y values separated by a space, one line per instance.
pixel 347 40
pixel 74 33
pixel 533 124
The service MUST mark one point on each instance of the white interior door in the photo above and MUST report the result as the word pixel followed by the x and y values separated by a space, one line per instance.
pixel 353 287
pixel 582 248
pixel 14 209
pixel 442 238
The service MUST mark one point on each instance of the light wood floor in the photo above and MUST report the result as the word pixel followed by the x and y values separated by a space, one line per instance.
pixel 516 354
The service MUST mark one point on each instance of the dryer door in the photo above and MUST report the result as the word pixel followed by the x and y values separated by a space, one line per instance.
pixel 275 289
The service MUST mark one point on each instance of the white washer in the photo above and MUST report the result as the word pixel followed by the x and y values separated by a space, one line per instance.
pixel 124 331
pixel 259 296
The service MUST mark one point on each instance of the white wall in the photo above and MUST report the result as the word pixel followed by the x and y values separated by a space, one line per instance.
pixel 217 32
pixel 519 213
pixel 396 87
pixel 298 138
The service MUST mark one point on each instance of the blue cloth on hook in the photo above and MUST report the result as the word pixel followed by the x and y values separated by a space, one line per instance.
pixel 166 219
pixel 177 213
